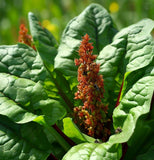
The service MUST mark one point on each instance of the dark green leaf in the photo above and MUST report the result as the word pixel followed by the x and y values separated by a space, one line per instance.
pixel 22 100
pixel 44 41
pixel 149 155
pixel 97 23
pixel 21 141
pixel 22 93
pixel 142 139
pixel 46 46
pixel 22 61
pixel 138 87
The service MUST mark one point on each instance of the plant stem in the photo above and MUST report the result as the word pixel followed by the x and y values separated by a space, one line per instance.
pixel 65 145
pixel 118 102
pixel 63 135
pixel 52 157
pixel 69 105
pixel 124 150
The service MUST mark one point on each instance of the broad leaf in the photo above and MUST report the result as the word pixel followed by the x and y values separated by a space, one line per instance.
pixel 21 141
pixel 44 41
pixel 135 103
pixel 24 98
pixel 137 91
pixel 73 132
pixel 131 49
pixel 94 151
pixel 46 46
pixel 22 93
pixel 142 139
pixel 22 61
pixel 149 155
pixel 97 23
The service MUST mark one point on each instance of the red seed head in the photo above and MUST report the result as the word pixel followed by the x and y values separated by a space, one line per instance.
pixel 24 37
pixel 90 91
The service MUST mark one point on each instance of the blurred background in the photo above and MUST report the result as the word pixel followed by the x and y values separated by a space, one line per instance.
pixel 55 14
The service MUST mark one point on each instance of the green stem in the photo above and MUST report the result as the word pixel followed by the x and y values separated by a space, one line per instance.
pixel 69 105
pixel 64 144
pixel 58 137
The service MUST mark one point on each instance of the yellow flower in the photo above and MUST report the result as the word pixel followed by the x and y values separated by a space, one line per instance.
pixel 51 27
pixel 114 7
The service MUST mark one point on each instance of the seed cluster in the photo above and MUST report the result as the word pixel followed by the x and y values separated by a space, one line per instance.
pixel 92 115
pixel 24 37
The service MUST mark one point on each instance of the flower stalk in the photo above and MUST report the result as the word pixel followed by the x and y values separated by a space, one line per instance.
pixel 24 37
pixel 92 115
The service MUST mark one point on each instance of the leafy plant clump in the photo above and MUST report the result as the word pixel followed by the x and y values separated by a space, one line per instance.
pixel 57 103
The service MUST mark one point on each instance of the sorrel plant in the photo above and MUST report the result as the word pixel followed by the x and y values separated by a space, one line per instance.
pixel 98 77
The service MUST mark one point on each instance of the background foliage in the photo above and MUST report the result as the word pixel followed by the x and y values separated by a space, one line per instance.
pixel 55 14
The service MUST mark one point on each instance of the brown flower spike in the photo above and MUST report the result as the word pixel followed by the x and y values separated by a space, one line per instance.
pixel 92 115
pixel 24 37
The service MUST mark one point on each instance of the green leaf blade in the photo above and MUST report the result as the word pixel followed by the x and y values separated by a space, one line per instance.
pixel 47 48
pixel 94 151
pixel 131 50
pixel 21 141
pixel 23 96
pixel 73 132
pixel 22 61
pixel 97 23
pixel 44 41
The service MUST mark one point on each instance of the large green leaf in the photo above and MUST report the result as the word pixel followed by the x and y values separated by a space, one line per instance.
pixel 46 46
pixel 22 61
pixel 94 151
pixel 73 132
pixel 44 41
pixel 132 49
pixel 24 98
pixel 121 60
pixel 136 102
pixel 97 23
pixel 133 60
pixel 21 141
pixel 149 155
pixel 22 93
pixel 142 139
